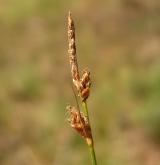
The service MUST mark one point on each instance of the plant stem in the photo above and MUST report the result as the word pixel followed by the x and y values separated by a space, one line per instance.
pixel 91 143
pixel 85 108
pixel 93 155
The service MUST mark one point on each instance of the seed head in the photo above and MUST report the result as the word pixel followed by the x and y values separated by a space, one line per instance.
pixel 72 49
pixel 83 83
pixel 79 122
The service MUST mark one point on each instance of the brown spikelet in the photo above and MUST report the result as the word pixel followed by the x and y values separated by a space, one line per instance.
pixel 83 83
pixel 72 49
pixel 79 122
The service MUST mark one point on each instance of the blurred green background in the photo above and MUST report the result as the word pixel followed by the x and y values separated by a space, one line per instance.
pixel 119 41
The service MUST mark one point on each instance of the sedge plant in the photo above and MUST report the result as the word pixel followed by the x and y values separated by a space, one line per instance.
pixel 79 120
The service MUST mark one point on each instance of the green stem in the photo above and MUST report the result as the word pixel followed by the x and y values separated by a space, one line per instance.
pixel 93 155
pixel 85 108
pixel 90 145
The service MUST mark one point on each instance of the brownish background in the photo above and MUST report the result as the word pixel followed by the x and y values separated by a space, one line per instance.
pixel 119 41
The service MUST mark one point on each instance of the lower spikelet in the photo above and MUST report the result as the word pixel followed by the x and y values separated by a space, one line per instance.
pixel 79 122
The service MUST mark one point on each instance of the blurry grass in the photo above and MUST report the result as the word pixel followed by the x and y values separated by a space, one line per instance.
pixel 29 87
pixel 150 118
pixel 4 116
pixel 149 114
pixel 24 85
pixel 17 11
pixel 143 85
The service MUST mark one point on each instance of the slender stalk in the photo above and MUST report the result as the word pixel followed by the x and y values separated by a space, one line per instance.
pixel 85 109
pixel 90 142
pixel 93 155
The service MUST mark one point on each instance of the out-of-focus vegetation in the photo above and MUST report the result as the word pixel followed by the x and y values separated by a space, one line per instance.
pixel 119 42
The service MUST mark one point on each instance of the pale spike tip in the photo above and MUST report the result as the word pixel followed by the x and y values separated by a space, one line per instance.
pixel 69 13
